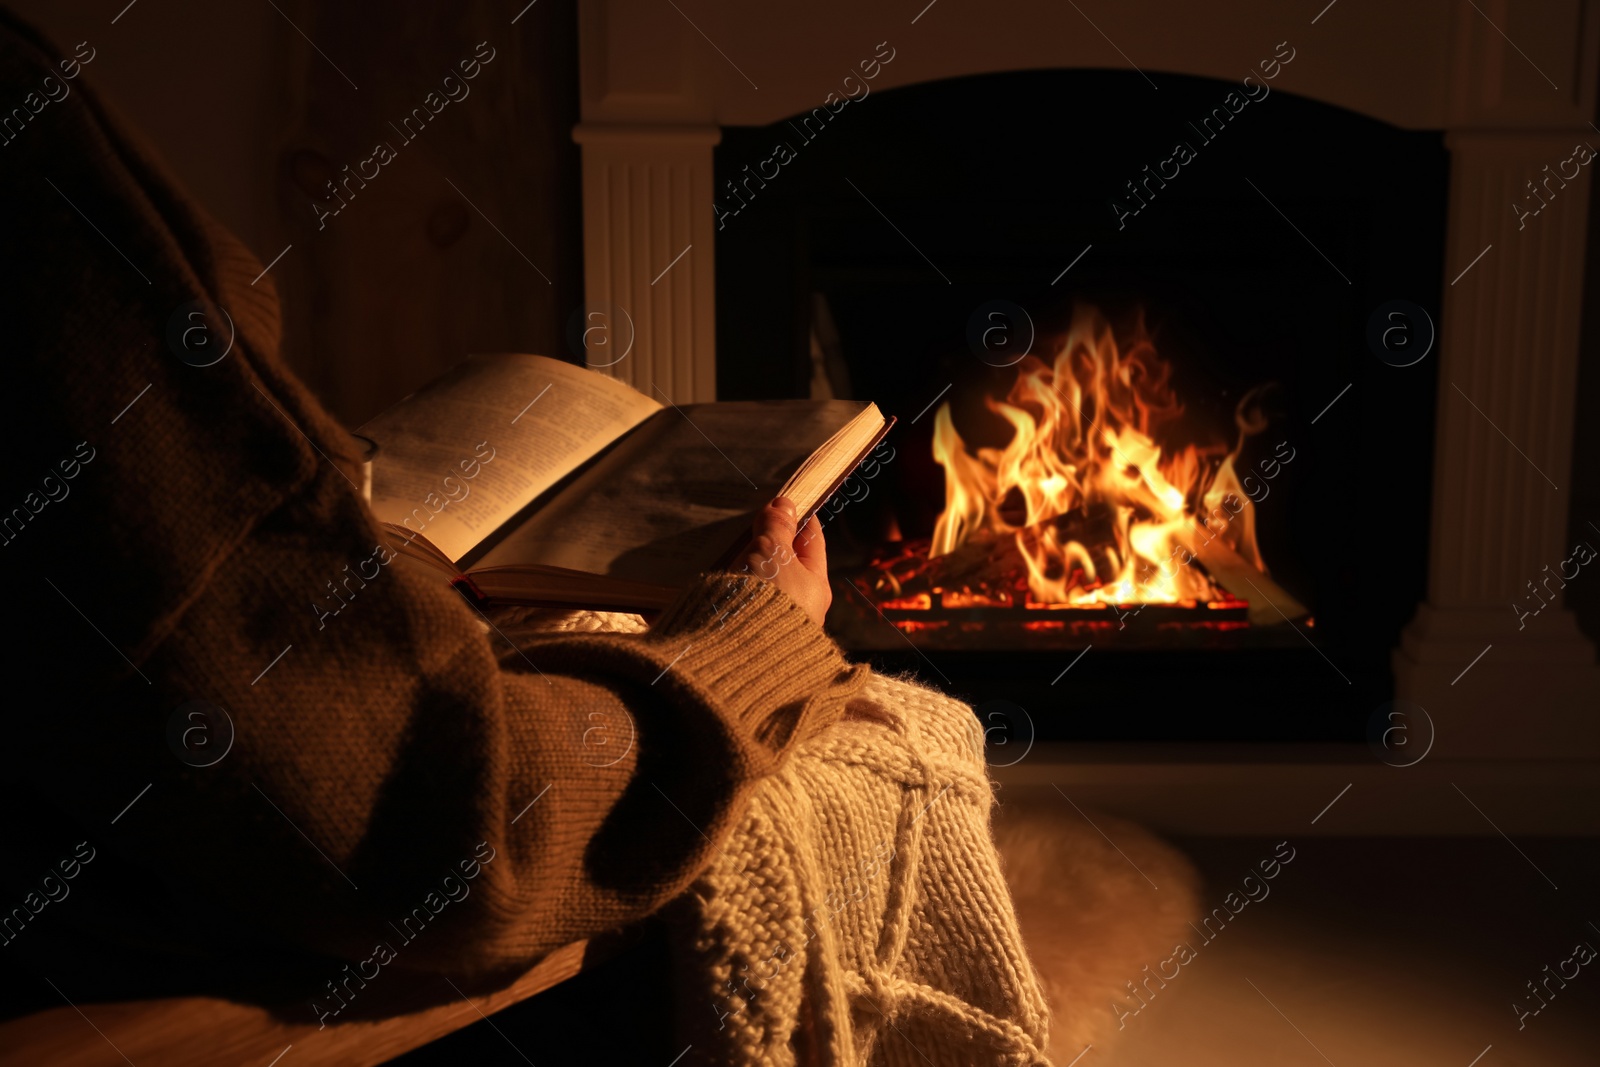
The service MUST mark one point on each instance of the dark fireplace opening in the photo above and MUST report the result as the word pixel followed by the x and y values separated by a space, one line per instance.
pixel 909 248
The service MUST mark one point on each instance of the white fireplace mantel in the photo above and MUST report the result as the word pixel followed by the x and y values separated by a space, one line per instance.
pixel 1513 85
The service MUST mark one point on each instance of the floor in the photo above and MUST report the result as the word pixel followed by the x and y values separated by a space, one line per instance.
pixel 1365 952
pixel 1382 952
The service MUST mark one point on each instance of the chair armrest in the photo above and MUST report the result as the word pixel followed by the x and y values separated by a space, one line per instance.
pixel 203 1031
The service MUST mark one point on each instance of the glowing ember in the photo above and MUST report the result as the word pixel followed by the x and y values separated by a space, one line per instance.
pixel 1098 511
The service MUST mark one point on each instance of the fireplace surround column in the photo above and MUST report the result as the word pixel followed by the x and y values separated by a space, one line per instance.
pixel 1508 350
pixel 649 272
pixel 1499 684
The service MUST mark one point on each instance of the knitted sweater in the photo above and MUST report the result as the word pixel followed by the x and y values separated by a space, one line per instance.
pixel 178 513
pixel 856 914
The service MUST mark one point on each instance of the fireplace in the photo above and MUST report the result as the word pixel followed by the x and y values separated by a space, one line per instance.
pixel 1408 523
pixel 1123 431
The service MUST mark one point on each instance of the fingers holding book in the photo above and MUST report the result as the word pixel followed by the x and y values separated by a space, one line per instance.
pixel 777 547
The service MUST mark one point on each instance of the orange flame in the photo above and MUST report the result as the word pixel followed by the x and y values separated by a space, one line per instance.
pixel 1085 432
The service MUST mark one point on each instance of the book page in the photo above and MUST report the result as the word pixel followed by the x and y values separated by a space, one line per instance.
pixel 818 477
pixel 464 454
pixel 670 500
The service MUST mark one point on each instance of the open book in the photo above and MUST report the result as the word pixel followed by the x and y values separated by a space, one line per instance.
pixel 529 480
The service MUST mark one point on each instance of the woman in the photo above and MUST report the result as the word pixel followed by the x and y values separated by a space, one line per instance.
pixel 382 791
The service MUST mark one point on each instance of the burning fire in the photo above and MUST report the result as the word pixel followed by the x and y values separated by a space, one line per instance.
pixel 1099 511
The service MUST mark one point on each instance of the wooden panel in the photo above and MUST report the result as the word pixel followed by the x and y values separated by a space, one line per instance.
pixel 466 239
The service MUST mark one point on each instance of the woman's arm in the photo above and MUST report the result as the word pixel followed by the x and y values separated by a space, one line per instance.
pixel 600 772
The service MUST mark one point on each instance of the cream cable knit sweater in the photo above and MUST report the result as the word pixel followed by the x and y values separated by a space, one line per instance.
pixel 857 914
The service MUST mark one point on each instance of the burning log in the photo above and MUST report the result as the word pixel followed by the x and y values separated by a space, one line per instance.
pixel 1270 603
pixel 986 580
pixel 1090 518
pixel 1090 494
pixel 992 565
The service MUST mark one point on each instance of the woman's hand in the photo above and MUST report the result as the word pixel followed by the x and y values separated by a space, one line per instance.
pixel 796 563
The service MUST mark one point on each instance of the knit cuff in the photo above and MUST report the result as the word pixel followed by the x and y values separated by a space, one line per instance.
pixel 744 639
pixel 744 650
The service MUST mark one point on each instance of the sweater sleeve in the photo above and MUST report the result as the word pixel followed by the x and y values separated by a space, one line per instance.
pixel 387 750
